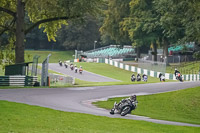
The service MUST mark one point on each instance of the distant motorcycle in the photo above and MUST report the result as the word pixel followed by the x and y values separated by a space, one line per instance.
pixel 72 67
pixel 145 78
pixel 66 65
pixel 75 69
pixel 133 78
pixel 80 71
pixel 124 107
pixel 60 63
pixel 179 77
pixel 162 78
pixel 138 78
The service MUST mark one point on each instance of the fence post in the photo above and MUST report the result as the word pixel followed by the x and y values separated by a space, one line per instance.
pixel 44 74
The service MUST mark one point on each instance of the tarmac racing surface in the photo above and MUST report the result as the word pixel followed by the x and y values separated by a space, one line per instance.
pixel 86 76
pixel 80 99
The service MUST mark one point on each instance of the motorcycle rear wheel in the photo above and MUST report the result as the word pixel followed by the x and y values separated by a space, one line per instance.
pixel 125 110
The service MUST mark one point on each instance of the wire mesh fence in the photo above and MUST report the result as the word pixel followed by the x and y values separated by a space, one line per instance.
pixel 56 80
pixel 152 65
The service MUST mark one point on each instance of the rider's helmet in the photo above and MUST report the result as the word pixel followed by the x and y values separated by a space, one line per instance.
pixel 133 97
pixel 175 69
pixel 80 66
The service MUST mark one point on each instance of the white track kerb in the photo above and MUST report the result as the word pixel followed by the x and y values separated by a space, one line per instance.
pixel 189 77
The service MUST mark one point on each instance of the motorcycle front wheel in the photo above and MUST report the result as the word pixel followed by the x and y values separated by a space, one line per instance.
pixel 125 110
pixel 112 111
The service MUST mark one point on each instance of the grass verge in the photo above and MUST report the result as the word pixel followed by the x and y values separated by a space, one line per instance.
pixel 185 67
pixel 21 118
pixel 111 71
pixel 54 58
pixel 181 106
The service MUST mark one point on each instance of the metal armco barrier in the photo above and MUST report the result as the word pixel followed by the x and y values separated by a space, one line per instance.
pixel 17 80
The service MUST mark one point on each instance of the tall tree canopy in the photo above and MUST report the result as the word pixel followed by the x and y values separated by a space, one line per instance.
pixel 180 19
pixel 79 37
pixel 116 12
pixel 140 24
pixel 19 17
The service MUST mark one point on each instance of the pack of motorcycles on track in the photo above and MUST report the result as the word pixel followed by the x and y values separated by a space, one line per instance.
pixel 161 77
pixel 72 67
pixel 134 78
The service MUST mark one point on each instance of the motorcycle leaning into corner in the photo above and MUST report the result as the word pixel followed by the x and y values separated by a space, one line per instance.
pixel 125 106
pixel 179 77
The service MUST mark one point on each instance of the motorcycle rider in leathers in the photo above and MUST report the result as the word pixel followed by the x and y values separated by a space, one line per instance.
pixel 132 98
pixel 175 73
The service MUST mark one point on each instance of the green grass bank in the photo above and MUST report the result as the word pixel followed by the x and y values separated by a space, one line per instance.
pixel 54 58
pixel 22 118
pixel 180 106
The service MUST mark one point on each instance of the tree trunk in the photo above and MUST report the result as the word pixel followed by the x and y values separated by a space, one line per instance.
pixel 138 52
pixel 165 50
pixel 166 45
pixel 19 44
pixel 154 51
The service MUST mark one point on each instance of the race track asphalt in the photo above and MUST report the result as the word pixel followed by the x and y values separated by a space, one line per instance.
pixel 79 99
pixel 86 76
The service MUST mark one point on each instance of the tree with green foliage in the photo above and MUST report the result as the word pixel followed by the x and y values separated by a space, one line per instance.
pixel 180 19
pixel 38 40
pixel 117 10
pixel 190 14
pixel 141 25
pixel 196 55
pixel 79 36
pixel 50 15
pixel 170 19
